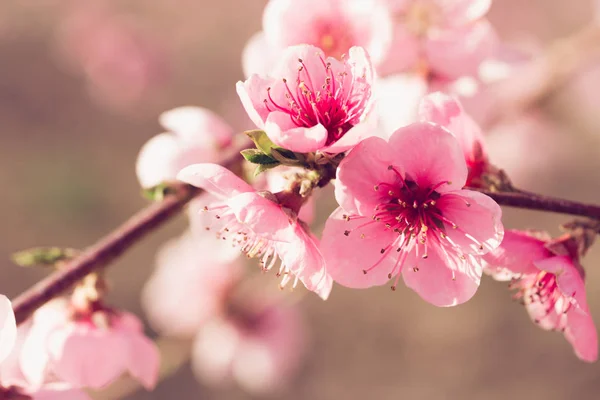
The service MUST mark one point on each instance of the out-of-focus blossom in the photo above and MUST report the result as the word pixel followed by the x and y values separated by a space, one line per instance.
pixel 446 111
pixel 310 102
pixel 259 346
pixel 334 26
pixel 260 226
pixel 440 37
pixel 550 286
pixel 397 101
pixel 192 278
pixel 121 63
pixel 403 212
pixel 87 349
pixel 194 135
pixel 14 385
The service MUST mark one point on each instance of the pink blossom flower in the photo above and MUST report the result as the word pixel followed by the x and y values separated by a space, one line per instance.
pixel 194 135
pixel 89 350
pixel 403 212
pixel 446 111
pixel 448 38
pixel 334 26
pixel 190 283
pixel 550 286
pixel 8 328
pixel 260 346
pixel 14 385
pixel 261 227
pixel 310 102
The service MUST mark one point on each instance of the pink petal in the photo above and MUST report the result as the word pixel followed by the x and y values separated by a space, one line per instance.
pixel 568 278
pixel 258 56
pixel 516 255
pixel 445 110
pixel 156 160
pixel 214 350
pixel 359 172
pixel 87 357
pixel 581 333
pixel 304 259
pixel 8 328
pixel 365 129
pixel 348 256
pixel 288 22
pixel 261 215
pixel 252 92
pixel 404 53
pixel 459 52
pixel 475 215
pixel 284 133
pixel 460 12
pixel 397 100
pixel 143 360
pixel 443 281
pixel 215 179
pixel 198 125
pixel 430 156
pixel 50 393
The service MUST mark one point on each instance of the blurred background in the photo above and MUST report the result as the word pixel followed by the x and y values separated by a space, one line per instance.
pixel 81 86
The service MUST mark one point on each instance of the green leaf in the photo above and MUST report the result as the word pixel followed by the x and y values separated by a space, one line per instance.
pixel 264 167
pixel 261 140
pixel 45 256
pixel 156 193
pixel 256 156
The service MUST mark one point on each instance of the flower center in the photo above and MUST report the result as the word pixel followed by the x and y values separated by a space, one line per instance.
pixel 337 101
pixel 543 289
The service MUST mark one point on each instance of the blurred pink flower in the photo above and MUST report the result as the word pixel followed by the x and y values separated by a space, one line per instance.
pixel 550 286
pixel 89 350
pixel 447 111
pixel 310 102
pixel 260 346
pixel 261 227
pixel 121 63
pixel 334 26
pixel 403 210
pixel 190 284
pixel 194 135
pixel 447 38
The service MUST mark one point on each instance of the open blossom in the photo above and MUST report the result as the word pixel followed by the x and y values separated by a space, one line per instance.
pixel 446 111
pixel 192 277
pixel 310 102
pixel 403 212
pixel 194 135
pixel 259 226
pixel 89 350
pixel 550 286
pixel 334 26
pixel 260 346
pixel 448 38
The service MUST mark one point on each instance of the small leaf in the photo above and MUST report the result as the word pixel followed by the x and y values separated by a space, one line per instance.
pixel 256 156
pixel 262 168
pixel 284 156
pixel 261 140
pixel 45 256
pixel 156 193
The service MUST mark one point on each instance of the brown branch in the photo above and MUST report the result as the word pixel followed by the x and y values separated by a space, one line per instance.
pixel 110 247
pixel 538 202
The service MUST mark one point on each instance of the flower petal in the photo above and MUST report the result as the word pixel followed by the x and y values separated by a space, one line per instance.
pixel 262 215
pixel 516 255
pixel 252 92
pixel 441 280
pixel 198 125
pixel 568 278
pixel 215 179
pixel 429 156
pixel 365 167
pixel 258 55
pixel 478 221
pixel 283 132
pixel 143 360
pixel 348 256
pixel 8 328
pixel 582 334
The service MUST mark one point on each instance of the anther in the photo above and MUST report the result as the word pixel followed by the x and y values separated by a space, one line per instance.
pixel 425 256
pixel 376 187
pixel 205 208
pixel 346 233
pixel 382 251
pixel 365 271
pixel 415 269
pixel 393 288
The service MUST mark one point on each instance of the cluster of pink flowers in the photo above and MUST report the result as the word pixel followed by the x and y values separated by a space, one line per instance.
pixel 362 94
